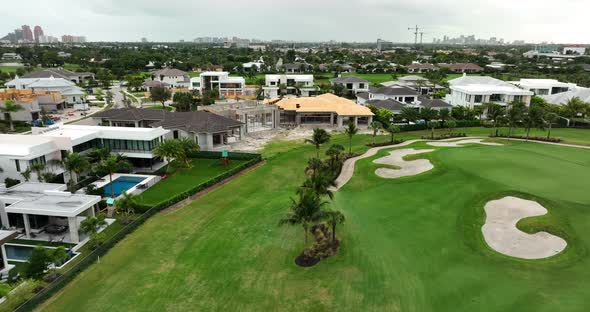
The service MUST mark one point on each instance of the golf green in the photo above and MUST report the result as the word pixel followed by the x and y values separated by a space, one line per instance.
pixel 408 244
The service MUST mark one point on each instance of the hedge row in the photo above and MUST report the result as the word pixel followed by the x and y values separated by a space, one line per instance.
pixel 522 137
pixel 459 124
pixel 64 279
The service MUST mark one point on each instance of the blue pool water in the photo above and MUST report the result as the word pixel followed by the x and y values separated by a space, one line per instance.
pixel 22 253
pixel 122 184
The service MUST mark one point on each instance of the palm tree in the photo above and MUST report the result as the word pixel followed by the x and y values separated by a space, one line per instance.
pixel 112 164
pixel 428 114
pixel 514 115
pixel 335 154
pixel 168 150
pixel 320 136
pixel 444 115
pixel 127 204
pixel 533 118
pixel 432 125
pixel 495 112
pixel 188 147
pixel 75 164
pixel 9 108
pixel 392 129
pixel 376 126
pixel 96 155
pixel 550 119
pixel 334 217
pixel 306 211
pixel 409 114
pixel 573 107
pixel 350 131
pixel 451 125
pixel 91 225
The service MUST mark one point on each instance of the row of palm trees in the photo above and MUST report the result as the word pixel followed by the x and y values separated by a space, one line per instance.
pixel 99 161
pixel 309 207
pixel 517 114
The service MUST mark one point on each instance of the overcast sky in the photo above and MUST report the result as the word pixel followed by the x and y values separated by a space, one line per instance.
pixel 565 21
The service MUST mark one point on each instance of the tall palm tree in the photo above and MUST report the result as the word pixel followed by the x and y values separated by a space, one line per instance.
pixel 320 136
pixel 127 204
pixel 91 225
pixel 533 118
pixel 392 129
pixel 187 146
pixel 96 155
pixel 376 126
pixel 334 217
pixel 306 210
pixel 320 184
pixel 75 164
pixel 111 165
pixel 10 107
pixel 495 112
pixel 428 114
pixel 350 131
pixel 335 154
pixel 514 115
pixel 550 119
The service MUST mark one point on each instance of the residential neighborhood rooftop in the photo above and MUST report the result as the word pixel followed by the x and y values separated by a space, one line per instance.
pixel 324 103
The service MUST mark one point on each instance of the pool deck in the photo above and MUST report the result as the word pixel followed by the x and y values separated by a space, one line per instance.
pixel 148 181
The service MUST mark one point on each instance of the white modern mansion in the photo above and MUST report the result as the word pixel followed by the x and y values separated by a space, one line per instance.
pixel 544 86
pixel 301 85
pixel 472 91
pixel 221 81
pixel 48 145
pixel 45 211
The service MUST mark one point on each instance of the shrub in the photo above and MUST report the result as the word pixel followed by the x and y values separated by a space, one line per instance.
pixel 521 137
pixel 11 182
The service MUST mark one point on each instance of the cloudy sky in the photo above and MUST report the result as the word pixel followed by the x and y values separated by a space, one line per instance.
pixel 564 21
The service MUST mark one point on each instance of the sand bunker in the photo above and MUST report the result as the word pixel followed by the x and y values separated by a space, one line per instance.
pixel 407 168
pixel 502 235
pixel 462 142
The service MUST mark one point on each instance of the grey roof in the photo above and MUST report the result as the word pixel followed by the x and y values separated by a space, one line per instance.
pixel 363 95
pixel 434 103
pixel 51 83
pixel 349 79
pixel 170 72
pixel 57 73
pixel 563 97
pixel 393 91
pixel 295 65
pixel 195 121
pixel 391 105
pixel 155 84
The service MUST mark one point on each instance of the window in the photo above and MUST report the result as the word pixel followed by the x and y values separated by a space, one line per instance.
pixel 496 98
pixel 38 160
pixel 175 134
pixel 361 85
pixel 478 98
pixel 518 98
pixel 17 163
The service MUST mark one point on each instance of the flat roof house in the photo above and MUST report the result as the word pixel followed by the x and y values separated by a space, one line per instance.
pixel 352 84
pixel 326 109
pixel 221 81
pixel 168 77
pixel 544 86
pixel 45 211
pixel 210 131
pixel 472 91
pixel 301 85
pixel 5 236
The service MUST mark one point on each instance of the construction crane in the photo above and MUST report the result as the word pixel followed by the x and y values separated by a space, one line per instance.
pixel 417 30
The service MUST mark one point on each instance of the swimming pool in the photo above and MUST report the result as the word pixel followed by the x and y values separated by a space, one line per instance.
pixel 122 184
pixel 18 253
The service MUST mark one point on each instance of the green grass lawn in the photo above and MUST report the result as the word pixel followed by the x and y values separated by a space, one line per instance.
pixel 412 244
pixel 182 180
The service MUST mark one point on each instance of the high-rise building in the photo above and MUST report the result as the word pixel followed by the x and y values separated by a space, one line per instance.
pixel 72 39
pixel 38 32
pixel 27 34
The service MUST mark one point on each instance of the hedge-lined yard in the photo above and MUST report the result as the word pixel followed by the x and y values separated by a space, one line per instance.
pixel 183 179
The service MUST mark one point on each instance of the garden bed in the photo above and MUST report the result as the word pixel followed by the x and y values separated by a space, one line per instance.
pixel 522 137
pixel 444 136
pixel 385 143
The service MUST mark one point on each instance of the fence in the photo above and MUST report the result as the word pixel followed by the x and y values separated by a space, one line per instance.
pixel 67 276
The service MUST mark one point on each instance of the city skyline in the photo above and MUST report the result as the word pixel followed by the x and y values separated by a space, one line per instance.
pixel 183 20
